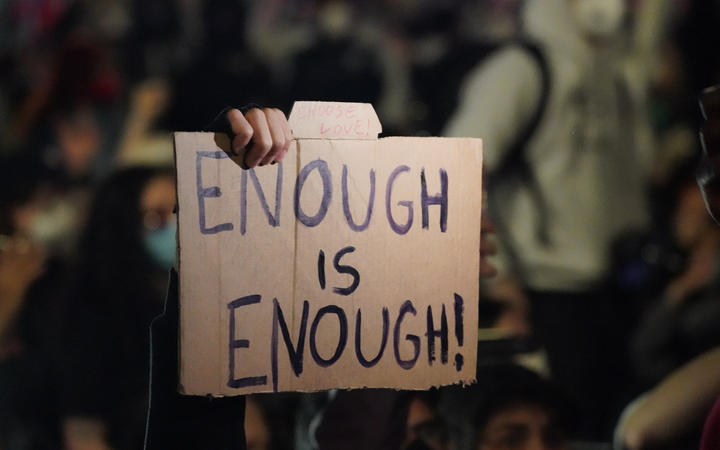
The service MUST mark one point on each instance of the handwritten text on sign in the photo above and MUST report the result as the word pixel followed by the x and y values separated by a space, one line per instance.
pixel 351 264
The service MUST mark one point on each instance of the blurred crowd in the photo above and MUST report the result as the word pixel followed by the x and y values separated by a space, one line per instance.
pixel 604 353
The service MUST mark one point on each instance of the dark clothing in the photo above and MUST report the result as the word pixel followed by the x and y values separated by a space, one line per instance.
pixel 711 431
pixel 364 419
pixel 106 363
pixel 182 422
pixel 29 415
pixel 584 336
pixel 669 335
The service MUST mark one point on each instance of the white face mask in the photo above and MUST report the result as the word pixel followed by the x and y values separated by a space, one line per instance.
pixel 599 18
pixel 335 19
pixel 52 227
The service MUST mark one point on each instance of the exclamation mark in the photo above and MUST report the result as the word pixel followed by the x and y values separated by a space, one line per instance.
pixel 321 269
pixel 459 308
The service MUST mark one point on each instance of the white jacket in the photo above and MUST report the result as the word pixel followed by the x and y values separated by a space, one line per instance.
pixel 590 153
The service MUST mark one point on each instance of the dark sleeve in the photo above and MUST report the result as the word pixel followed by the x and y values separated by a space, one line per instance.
pixel 711 430
pixel 220 124
pixel 655 346
pixel 87 378
pixel 183 422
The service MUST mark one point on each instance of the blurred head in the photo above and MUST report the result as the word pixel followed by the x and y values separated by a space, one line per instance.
pixel 32 203
pixel 426 429
pixel 157 202
pixel 521 411
pixel 130 231
pixel 522 426
pixel 79 139
pixel 598 19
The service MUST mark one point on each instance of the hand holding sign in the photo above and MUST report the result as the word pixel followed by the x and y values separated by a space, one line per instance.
pixel 260 136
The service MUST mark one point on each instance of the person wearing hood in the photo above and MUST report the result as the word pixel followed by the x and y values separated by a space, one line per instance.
pixel 568 154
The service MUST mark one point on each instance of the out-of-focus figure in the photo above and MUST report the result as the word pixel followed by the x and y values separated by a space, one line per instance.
pixel 36 234
pixel 567 146
pixel 681 321
pixel 519 410
pixel 126 250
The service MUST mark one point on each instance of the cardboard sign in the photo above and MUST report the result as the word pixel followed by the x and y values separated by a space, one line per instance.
pixel 353 263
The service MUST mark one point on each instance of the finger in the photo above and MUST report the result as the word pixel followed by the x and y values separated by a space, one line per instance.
pixel 262 139
pixel 288 140
pixel 282 154
pixel 241 129
pixel 275 119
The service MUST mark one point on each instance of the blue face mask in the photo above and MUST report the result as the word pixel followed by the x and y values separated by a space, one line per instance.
pixel 160 245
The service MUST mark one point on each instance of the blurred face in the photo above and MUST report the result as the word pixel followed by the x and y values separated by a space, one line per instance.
pixel 79 139
pixel 159 226
pixel 424 424
pixel 157 202
pixel 521 427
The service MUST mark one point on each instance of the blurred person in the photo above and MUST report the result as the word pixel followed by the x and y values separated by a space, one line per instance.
pixel 83 105
pixel 339 65
pixel 35 228
pixel 707 180
pixel 277 30
pixel 126 249
pixel 69 109
pixel 567 146
pixel 682 322
pixel 671 410
pixel 78 139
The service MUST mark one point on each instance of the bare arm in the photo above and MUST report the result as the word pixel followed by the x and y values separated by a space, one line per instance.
pixel 677 404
